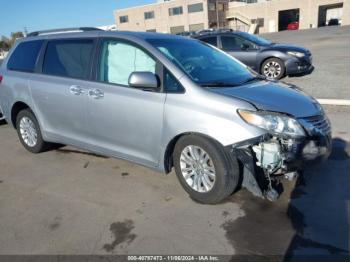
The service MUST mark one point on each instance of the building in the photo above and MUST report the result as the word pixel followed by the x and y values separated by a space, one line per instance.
pixel 275 15
pixel 173 16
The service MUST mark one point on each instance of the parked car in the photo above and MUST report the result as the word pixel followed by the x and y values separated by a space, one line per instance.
pixel 269 59
pixel 333 21
pixel 293 26
pixel 165 102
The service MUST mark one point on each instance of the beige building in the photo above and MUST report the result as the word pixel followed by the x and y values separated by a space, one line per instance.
pixel 173 16
pixel 275 15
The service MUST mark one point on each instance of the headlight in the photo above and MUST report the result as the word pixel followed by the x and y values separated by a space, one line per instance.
pixel 273 122
pixel 297 54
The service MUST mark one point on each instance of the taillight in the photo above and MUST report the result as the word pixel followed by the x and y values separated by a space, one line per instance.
pixel 1 78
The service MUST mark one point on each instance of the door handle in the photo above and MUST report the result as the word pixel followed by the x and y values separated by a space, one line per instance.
pixel 96 93
pixel 76 90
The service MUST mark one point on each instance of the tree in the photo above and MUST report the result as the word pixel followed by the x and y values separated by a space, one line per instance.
pixel 7 43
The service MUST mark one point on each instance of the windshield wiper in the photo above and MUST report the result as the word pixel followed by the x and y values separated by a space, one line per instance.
pixel 217 84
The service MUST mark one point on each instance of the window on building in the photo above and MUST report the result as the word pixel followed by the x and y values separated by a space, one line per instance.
pixel 195 8
pixel 177 29
pixel 69 58
pixel 151 30
pixel 175 11
pixel 196 27
pixel 149 15
pixel 123 19
pixel 212 6
pixel 119 60
pixel 24 57
pixel 213 40
pixel 232 43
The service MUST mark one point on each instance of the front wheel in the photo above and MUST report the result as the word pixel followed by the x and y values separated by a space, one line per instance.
pixel 273 68
pixel 206 172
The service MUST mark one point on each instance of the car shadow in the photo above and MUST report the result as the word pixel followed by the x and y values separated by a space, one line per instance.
pixel 319 210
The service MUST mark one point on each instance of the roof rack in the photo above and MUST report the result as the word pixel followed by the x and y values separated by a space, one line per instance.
pixel 63 30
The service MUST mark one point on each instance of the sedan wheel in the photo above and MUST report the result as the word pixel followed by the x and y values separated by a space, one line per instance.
pixel 273 68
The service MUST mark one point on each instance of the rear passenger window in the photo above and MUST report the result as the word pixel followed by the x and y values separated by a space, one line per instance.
pixel 24 57
pixel 211 40
pixel 68 58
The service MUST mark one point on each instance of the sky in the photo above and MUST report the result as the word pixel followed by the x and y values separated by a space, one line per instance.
pixel 35 15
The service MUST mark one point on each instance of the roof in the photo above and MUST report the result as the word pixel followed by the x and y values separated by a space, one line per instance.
pixel 101 33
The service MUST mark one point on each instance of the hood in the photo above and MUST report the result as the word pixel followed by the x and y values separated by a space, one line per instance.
pixel 287 47
pixel 275 96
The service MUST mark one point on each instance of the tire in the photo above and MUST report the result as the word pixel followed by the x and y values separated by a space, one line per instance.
pixel 273 68
pixel 226 170
pixel 28 119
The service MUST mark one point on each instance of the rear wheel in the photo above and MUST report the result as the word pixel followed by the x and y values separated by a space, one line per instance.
pixel 29 132
pixel 205 171
pixel 273 68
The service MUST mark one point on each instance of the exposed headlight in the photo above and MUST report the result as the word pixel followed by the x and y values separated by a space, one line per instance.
pixel 273 122
pixel 297 54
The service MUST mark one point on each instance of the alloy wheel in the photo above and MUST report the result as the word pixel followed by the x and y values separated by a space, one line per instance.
pixel 272 69
pixel 197 168
pixel 28 132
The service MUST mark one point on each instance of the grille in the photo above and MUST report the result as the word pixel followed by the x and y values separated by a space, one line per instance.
pixel 320 122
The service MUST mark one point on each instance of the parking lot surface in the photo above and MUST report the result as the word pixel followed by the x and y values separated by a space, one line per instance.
pixel 68 201
pixel 331 58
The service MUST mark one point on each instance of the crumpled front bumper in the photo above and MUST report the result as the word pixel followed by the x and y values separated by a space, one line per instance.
pixel 293 155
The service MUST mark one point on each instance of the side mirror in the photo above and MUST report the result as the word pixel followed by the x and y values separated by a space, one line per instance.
pixel 245 46
pixel 144 80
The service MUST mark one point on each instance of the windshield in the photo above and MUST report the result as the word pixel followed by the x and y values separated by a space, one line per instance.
pixel 256 39
pixel 202 63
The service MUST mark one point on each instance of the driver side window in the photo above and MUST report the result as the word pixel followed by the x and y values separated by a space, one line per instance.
pixel 120 59
pixel 234 43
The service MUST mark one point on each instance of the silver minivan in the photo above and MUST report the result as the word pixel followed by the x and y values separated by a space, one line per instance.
pixel 165 102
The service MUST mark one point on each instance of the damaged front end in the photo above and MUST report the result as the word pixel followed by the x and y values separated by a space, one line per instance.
pixel 270 158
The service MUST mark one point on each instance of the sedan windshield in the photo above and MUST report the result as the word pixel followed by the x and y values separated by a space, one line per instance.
pixel 256 39
pixel 202 63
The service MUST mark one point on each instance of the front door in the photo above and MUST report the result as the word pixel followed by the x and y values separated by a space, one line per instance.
pixel 125 121
pixel 240 49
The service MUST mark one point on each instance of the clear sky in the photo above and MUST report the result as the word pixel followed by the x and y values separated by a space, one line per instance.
pixel 48 14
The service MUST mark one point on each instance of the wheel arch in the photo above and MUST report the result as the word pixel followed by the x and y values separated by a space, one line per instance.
pixel 16 108
pixel 168 160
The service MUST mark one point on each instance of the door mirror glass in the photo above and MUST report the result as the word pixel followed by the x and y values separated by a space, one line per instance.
pixel 144 80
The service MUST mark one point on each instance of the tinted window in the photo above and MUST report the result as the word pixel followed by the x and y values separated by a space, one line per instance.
pixel 195 8
pixel 24 57
pixel 255 39
pixel 231 43
pixel 210 40
pixel 69 58
pixel 119 60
